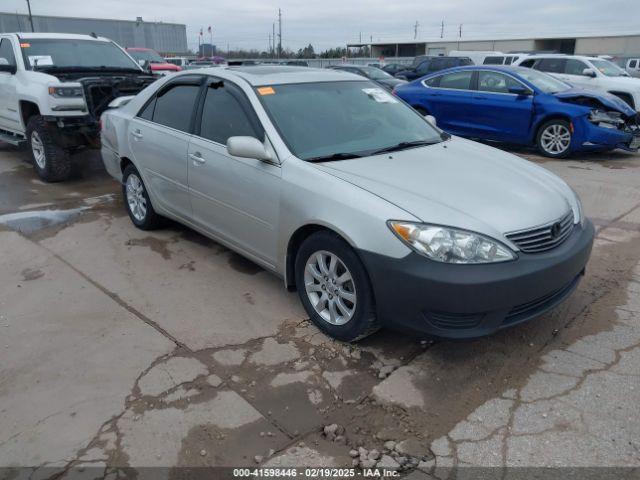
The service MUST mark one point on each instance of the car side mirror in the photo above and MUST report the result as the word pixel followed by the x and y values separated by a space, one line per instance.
pixel 520 91
pixel 589 72
pixel 248 147
pixel 431 119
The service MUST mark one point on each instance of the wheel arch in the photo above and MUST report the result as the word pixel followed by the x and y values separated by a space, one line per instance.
pixel 296 240
pixel 28 109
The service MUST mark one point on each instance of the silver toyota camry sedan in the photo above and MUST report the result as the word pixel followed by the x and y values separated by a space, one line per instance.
pixel 374 215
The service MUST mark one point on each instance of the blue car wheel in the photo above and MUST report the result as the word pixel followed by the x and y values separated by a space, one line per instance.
pixel 554 138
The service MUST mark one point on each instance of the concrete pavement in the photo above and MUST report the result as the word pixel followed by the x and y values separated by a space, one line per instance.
pixel 121 348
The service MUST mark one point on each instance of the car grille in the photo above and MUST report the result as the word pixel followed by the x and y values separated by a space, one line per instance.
pixel 543 238
pixel 453 321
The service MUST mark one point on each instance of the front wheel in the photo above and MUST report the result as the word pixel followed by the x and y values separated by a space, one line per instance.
pixel 51 161
pixel 334 288
pixel 554 138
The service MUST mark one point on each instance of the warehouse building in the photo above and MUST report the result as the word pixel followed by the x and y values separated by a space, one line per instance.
pixel 166 38
pixel 620 45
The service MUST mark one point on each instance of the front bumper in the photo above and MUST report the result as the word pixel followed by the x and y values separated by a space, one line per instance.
pixel 594 137
pixel 465 301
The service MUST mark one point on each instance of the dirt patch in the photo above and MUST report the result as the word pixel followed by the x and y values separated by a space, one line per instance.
pixel 29 274
pixel 160 246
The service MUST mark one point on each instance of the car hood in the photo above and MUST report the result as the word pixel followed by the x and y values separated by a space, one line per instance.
pixel 462 184
pixel 606 99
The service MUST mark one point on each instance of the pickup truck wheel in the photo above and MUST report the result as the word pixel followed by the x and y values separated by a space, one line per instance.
pixel 334 288
pixel 137 200
pixel 51 161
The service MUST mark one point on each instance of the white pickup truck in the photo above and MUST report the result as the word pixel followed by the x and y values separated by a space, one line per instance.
pixel 53 88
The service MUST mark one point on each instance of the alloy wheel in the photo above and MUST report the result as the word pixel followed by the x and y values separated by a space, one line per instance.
pixel 555 139
pixel 37 147
pixel 330 287
pixel 135 197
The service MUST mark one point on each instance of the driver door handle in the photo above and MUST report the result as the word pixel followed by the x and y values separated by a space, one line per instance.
pixel 197 158
pixel 136 133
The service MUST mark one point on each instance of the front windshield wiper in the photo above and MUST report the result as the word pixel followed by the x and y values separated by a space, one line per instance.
pixel 405 145
pixel 334 157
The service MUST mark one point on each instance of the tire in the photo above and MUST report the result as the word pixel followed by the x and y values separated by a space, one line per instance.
pixel 137 201
pixel 353 314
pixel 553 131
pixel 51 161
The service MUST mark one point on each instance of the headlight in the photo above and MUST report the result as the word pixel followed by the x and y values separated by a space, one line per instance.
pixel 606 119
pixel 578 215
pixel 449 245
pixel 66 92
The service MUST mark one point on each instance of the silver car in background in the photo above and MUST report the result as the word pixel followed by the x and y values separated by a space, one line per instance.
pixel 375 216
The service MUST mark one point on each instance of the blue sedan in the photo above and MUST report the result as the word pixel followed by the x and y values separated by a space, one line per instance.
pixel 524 106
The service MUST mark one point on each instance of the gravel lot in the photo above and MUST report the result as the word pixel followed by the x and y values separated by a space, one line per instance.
pixel 122 348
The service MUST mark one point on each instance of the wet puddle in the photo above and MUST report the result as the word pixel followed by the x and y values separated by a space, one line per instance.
pixel 35 220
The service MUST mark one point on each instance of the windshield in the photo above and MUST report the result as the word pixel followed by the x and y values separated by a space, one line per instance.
pixel 375 73
pixel 330 118
pixel 43 53
pixel 543 81
pixel 608 68
pixel 146 55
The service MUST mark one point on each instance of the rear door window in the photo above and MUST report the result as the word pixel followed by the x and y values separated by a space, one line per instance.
pixel 174 107
pixel 493 60
pixel 457 80
pixel 527 63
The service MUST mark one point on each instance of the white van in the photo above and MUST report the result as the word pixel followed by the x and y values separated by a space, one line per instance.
pixel 476 56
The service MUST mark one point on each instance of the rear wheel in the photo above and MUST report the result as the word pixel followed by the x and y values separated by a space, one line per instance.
pixel 554 138
pixel 137 200
pixel 334 288
pixel 51 161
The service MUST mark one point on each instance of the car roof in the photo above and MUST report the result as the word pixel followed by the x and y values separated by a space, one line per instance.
pixel 277 74
pixel 139 49
pixel 60 36
pixel 562 55
pixel 495 68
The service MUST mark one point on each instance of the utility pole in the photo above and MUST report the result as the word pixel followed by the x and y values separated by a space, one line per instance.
pixel 279 33
pixel 460 31
pixel 273 37
pixel 415 30
pixel 30 17
pixel 442 29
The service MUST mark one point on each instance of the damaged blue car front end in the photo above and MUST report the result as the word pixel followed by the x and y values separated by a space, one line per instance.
pixel 600 121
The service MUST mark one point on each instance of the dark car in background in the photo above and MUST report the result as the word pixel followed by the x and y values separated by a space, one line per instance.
pixel 518 105
pixel 393 68
pixel 425 65
pixel 374 74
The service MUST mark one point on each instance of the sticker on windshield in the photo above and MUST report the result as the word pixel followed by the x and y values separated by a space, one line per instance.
pixel 379 95
pixel 40 60
pixel 266 91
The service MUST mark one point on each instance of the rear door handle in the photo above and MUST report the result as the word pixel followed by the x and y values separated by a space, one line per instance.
pixel 197 158
pixel 136 133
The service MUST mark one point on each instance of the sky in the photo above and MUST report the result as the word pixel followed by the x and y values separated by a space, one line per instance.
pixel 332 23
